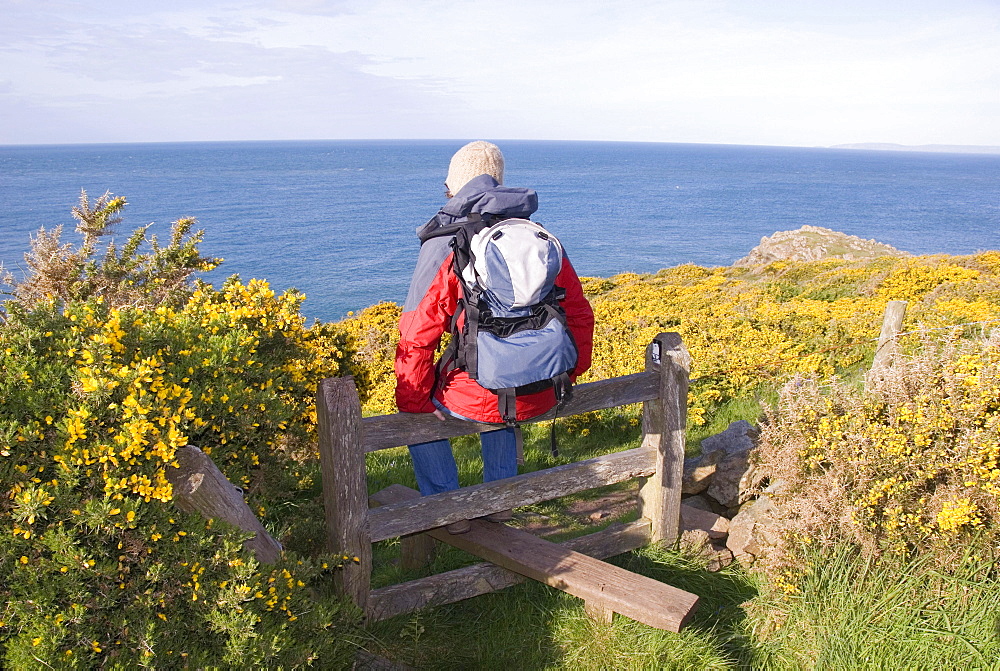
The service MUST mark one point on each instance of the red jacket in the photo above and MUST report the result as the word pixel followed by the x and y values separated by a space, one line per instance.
pixel 420 329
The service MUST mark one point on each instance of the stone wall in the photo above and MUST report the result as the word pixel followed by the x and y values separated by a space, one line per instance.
pixel 723 512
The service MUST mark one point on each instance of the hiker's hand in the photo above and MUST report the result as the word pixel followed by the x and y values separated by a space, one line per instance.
pixel 439 414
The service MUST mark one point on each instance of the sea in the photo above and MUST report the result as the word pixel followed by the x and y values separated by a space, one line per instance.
pixel 336 220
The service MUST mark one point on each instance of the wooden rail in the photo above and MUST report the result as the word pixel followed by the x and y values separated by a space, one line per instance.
pixel 345 438
pixel 386 431
pixel 200 486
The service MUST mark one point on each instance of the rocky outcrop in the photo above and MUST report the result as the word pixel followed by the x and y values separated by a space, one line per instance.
pixel 812 243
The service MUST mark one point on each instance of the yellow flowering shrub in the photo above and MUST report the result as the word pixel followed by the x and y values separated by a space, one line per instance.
pixel 372 336
pixel 913 278
pixel 97 567
pixel 745 328
pixel 913 461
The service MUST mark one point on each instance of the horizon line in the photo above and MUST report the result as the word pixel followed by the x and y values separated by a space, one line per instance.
pixel 857 146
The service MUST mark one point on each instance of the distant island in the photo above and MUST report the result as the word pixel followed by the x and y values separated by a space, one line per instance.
pixel 939 148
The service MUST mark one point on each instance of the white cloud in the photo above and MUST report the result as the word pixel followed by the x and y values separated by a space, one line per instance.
pixel 713 71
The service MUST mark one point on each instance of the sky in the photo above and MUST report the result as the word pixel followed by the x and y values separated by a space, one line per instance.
pixel 774 72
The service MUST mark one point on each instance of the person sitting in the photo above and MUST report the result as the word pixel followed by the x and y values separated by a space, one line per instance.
pixel 474 181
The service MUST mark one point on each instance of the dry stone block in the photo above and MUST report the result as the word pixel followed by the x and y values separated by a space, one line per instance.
pixel 695 539
pixel 715 526
pixel 721 558
pixel 738 437
pixel 698 473
pixel 733 477
pixel 754 530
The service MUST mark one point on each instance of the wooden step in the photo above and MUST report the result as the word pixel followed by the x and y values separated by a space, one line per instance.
pixel 604 587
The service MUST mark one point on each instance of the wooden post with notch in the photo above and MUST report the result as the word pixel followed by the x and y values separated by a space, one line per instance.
pixel 664 423
pixel 416 551
pixel 345 486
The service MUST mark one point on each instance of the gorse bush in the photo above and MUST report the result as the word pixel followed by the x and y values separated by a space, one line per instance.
pixel 910 463
pixel 747 330
pixel 373 336
pixel 97 567
pixel 129 275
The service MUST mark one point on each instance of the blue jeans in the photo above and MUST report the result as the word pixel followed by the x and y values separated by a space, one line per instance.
pixel 436 471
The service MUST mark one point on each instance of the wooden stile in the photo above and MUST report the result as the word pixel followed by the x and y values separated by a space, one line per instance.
pixel 605 588
pixel 345 438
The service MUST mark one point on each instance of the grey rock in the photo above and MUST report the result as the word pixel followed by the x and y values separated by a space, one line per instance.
pixel 721 558
pixel 733 478
pixel 698 473
pixel 738 437
pixel 754 530
pixel 696 540
pixel 716 526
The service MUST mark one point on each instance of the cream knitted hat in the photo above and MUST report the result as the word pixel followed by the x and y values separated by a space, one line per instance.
pixel 474 159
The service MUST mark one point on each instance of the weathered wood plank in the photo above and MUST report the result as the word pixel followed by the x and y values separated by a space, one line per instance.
pixel 415 550
pixel 345 489
pixel 200 486
pixel 664 422
pixel 408 517
pixel 604 586
pixel 483 578
pixel 384 431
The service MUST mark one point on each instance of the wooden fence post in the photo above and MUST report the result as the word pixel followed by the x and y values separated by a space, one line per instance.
pixel 892 325
pixel 416 551
pixel 199 486
pixel 345 485
pixel 664 422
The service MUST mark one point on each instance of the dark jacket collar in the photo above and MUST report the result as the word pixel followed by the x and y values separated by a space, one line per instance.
pixel 482 195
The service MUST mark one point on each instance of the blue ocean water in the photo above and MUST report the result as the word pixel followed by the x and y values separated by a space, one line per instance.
pixel 336 219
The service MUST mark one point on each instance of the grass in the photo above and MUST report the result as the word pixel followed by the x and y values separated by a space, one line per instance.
pixel 531 626
pixel 852 613
pixel 891 613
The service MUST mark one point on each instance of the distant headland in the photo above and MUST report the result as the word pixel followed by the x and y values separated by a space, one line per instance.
pixel 939 148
